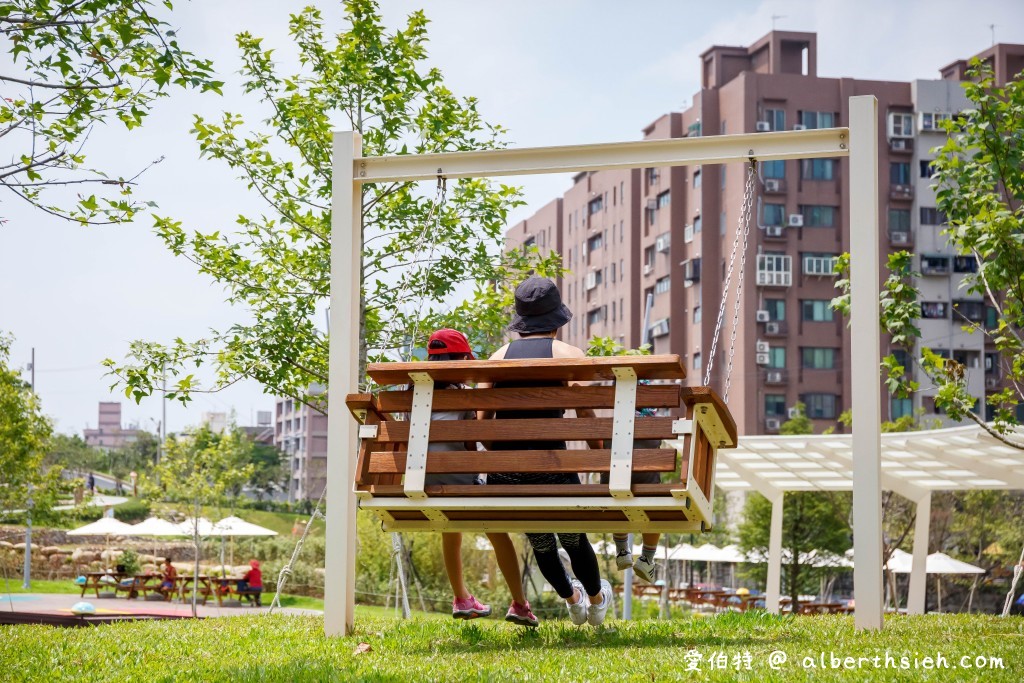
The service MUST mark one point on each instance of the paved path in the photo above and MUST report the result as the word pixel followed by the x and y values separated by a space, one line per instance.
pixel 60 603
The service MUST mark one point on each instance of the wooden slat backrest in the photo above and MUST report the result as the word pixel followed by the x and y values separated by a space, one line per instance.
pixel 532 398
pixel 460 462
pixel 540 429
pixel 533 369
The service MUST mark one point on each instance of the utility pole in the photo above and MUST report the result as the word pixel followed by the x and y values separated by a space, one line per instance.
pixel 27 582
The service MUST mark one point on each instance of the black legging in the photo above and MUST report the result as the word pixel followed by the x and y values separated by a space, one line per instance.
pixel 581 554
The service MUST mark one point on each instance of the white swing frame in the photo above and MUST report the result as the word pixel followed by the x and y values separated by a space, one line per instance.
pixel 351 170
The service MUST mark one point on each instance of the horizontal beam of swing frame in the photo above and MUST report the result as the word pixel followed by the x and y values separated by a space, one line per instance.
pixel 351 170
pixel 715 149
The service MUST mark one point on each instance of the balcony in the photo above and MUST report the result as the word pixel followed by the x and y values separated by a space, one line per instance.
pixel 901 145
pixel 775 377
pixel 901 192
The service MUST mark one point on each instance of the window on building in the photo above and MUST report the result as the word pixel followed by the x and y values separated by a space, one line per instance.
pixel 820 406
pixel 721 175
pixel 696 177
pixel 693 130
pixel 965 264
pixel 902 357
pixel 696 314
pixel 697 361
pixel 817 119
pixel 817 310
pixel 598 276
pixel 529 242
pixel 972 311
pixel 818 358
pixel 927 169
pixel 899 173
pixel 596 242
pixel 819 264
pixel 774 405
pixel 613 272
pixel 595 205
pixel 934 264
pixel 773 214
pixel 900 407
pixel 899 220
pixel 615 192
pixel 664 199
pixel 817 169
pixel 777 357
pixel 934 309
pixel 932 216
pixel 901 125
pixel 697 225
pixel 776 118
pixel 934 121
pixel 722 220
pixel 776 309
pixel 818 216
pixel 649 256
pixel 991 318
pixel 595 316
pixel 651 175
pixel 613 312
pixel 776 168
pixel 662 285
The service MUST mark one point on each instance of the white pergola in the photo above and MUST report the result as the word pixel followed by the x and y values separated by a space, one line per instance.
pixel 351 170
pixel 913 464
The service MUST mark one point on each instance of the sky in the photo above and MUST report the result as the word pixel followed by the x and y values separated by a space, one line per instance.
pixel 553 72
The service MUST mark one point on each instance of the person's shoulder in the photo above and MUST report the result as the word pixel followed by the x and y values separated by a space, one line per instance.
pixel 499 354
pixel 559 349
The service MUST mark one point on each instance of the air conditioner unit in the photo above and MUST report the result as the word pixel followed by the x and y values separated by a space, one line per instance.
pixel 648 268
pixel 771 185
pixel 691 270
pixel 663 242
pixel 763 126
pixel 792 413
pixel 991 382
pixel 772 424
pixel 761 359
pixel 796 220
pixel 762 316
pixel 652 204
pixel 898 237
pixel 688 234
pixel 772 328
pixel 773 231
pixel 773 377
pixel 660 328
pixel 762 346
pixel 591 280
pixel 799 126
pixel 900 144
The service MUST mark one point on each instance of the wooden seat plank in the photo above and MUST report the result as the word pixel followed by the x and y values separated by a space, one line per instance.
pixel 460 462
pixel 520 490
pixel 533 369
pixel 533 398
pixel 533 429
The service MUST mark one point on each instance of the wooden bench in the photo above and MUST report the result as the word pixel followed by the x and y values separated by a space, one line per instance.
pixel 395 430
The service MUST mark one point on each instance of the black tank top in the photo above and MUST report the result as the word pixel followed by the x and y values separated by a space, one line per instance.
pixel 531 347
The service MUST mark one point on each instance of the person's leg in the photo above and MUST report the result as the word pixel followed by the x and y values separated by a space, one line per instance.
pixel 546 551
pixel 508 563
pixel 451 550
pixel 584 563
pixel 651 545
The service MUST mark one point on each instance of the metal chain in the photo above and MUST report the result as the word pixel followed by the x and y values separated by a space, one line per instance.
pixel 742 230
pixel 433 216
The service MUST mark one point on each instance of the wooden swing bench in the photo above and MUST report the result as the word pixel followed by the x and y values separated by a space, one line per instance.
pixel 395 430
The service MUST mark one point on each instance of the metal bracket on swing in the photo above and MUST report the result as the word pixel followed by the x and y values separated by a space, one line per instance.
pixel 419 434
pixel 620 474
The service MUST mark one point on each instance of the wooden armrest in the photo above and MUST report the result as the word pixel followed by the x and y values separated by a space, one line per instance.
pixel 361 405
pixel 694 396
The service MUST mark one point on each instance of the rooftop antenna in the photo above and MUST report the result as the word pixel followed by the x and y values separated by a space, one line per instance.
pixel 992 27
pixel 777 16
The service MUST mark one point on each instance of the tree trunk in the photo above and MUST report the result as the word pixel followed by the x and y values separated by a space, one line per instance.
pixel 195 543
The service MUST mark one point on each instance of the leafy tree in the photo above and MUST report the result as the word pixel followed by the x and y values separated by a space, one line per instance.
pixel 76 64
pixel 25 432
pixel 200 469
pixel 136 456
pixel 269 469
pixel 979 176
pixel 418 252
pixel 799 423
pixel 72 453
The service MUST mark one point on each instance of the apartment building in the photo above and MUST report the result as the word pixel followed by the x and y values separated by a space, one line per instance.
pixel 666 235
pixel 301 434
pixel 109 434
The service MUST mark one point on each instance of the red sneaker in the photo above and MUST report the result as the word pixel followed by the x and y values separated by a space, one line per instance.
pixel 469 608
pixel 521 615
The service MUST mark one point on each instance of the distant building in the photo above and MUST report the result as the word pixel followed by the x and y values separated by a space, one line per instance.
pixel 263 430
pixel 109 433
pixel 215 422
pixel 301 433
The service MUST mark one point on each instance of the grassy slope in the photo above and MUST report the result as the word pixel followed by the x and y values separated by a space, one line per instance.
pixel 293 648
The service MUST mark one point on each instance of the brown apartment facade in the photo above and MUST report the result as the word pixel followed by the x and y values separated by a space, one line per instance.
pixel 667 234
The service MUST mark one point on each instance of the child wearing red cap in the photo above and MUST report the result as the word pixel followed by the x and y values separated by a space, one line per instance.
pixel 252 585
pixel 448 344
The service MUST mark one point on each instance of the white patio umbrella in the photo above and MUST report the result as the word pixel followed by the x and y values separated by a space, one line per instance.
pixel 236 526
pixel 104 526
pixel 936 563
pixel 154 526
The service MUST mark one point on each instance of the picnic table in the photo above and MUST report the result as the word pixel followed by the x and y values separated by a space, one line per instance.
pixel 182 585
pixel 140 583
pixel 228 585
pixel 92 581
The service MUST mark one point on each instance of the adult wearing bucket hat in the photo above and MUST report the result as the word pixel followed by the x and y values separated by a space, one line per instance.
pixel 539 315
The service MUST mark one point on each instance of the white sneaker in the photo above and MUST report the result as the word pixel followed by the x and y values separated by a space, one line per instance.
pixel 645 569
pixel 578 610
pixel 624 560
pixel 596 613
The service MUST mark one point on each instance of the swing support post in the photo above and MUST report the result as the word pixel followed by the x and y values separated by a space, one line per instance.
pixel 352 170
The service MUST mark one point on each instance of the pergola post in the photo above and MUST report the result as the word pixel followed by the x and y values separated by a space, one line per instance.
pixel 918 567
pixel 865 362
pixel 773 589
pixel 343 358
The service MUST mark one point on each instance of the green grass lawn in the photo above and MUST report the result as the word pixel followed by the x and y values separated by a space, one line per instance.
pixel 283 648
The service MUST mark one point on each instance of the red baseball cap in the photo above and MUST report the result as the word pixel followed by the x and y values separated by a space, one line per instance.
pixel 448 341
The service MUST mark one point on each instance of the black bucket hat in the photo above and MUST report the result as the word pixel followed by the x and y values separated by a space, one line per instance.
pixel 539 307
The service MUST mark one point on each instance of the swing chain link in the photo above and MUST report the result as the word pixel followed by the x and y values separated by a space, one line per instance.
pixel 433 216
pixel 742 230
